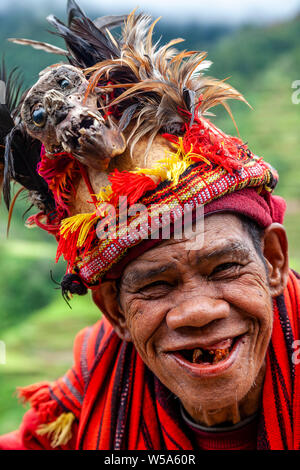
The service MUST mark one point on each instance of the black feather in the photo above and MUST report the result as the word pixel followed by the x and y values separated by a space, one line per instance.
pixel 88 42
pixel 13 85
pixel 82 54
pixel 10 95
pixel 22 154
pixel 6 122
pixel 102 44
pixel 109 22
pixel 73 11
pixel 126 116
pixel 189 97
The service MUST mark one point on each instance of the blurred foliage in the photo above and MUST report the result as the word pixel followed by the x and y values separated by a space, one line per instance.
pixel 27 260
pixel 263 63
pixel 36 324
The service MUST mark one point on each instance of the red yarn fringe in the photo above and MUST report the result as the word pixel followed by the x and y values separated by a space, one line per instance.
pixel 211 143
pixel 67 247
pixel 58 172
pixel 131 185
pixel 124 183
pixel 39 397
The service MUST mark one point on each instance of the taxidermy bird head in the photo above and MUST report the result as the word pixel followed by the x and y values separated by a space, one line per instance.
pixel 56 112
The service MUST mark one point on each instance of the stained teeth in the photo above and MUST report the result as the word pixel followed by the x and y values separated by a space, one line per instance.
pixel 196 355
pixel 220 354
pixel 211 356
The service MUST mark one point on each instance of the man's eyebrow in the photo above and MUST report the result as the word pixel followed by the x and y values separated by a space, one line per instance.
pixel 234 247
pixel 144 275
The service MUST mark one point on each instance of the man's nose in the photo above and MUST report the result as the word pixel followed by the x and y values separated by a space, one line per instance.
pixel 197 312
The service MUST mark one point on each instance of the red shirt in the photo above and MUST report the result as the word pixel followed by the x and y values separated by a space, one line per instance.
pixel 241 436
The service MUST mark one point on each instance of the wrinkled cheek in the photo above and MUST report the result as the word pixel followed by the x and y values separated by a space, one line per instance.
pixel 264 336
pixel 260 331
pixel 252 300
pixel 141 331
pixel 262 318
pixel 143 319
pixel 144 347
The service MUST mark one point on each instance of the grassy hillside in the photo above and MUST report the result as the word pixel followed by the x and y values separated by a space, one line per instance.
pixel 36 324
pixel 39 348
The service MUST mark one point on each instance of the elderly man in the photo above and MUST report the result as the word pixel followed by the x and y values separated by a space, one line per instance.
pixel 196 348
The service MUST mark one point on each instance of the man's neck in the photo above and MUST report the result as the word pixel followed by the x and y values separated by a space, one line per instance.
pixel 234 413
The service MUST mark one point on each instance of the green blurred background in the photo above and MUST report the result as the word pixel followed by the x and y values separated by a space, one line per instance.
pixel 36 324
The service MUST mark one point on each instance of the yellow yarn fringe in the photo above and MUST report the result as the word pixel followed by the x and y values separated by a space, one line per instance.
pixel 173 165
pixel 59 430
pixel 104 194
pixel 85 222
pixel 82 221
pixel 169 168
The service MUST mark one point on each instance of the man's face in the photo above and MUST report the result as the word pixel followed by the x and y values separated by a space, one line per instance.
pixel 201 320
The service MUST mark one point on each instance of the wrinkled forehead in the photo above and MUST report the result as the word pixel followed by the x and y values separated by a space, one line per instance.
pixel 215 235
pixel 204 235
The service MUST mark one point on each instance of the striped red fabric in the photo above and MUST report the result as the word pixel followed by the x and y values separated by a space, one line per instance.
pixel 119 404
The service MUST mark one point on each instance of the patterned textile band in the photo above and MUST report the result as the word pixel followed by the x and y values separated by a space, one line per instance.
pixel 198 186
pixel 247 202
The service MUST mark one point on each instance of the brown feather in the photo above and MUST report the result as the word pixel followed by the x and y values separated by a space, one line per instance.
pixel 164 85
pixel 43 46
pixel 11 209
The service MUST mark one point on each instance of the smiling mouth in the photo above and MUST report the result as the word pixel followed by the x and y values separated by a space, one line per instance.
pixel 212 356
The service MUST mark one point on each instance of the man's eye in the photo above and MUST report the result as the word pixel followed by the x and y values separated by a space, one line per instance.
pixel 156 286
pixel 39 117
pixel 225 267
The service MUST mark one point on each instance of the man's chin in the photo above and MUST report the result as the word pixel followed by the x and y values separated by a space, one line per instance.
pixel 226 396
pixel 213 386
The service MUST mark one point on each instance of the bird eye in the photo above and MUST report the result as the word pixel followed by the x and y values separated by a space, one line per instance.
pixel 64 83
pixel 39 117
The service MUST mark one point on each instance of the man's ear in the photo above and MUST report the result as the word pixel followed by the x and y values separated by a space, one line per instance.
pixel 106 298
pixel 275 250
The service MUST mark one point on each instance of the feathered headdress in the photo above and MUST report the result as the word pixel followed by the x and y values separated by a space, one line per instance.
pixel 159 100
pixel 164 88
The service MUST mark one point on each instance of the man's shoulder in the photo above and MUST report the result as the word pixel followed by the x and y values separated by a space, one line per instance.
pixel 89 341
pixel 296 274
